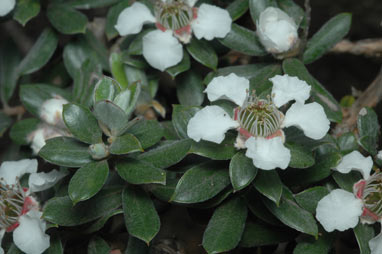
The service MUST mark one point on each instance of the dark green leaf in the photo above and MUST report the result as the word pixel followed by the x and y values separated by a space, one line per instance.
pixel 134 61
pixel 112 17
pixel 65 151
pixel 243 40
pixel 201 183
pixel 347 142
pixel 66 19
pixel 241 171
pixel 125 144
pixel 320 246
pixel 60 210
pixel 328 35
pixel 55 245
pixel 90 4
pixel 190 89
pixel 5 122
pixel 136 246
pixel 9 60
pixel 98 246
pixel 40 53
pixel 363 233
pixel 183 66
pixel 225 227
pixel 252 198
pixel 96 226
pixel 148 132
pixel 246 71
pixel 223 151
pixel 237 9
pixel 346 181
pixel 111 116
pixel 106 89
pixel 164 192
pixel 309 198
pixel 301 157
pixel 256 7
pixel 25 10
pixel 118 69
pixel 292 9
pixel 261 83
pixel 135 47
pixel 141 218
pixel 368 128
pixel 88 181
pixel 21 129
pixel 180 117
pixel 167 153
pixel 269 184
pixel 202 52
pixel 81 123
pixel 140 172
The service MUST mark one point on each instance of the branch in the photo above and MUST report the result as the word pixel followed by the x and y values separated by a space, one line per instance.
pixel 368 47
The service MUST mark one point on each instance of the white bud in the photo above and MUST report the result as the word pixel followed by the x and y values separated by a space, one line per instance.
pixel 276 30
pixel 51 111
pixel 38 137
pixel 6 6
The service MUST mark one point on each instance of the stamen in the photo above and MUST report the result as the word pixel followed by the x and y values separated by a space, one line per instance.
pixel 173 14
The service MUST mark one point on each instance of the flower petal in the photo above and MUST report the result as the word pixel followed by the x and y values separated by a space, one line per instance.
pixel 375 244
pixel 339 210
pixel 268 153
pixel 162 50
pixel 356 161
pixel 10 170
pixel 30 235
pixel 310 118
pixel 212 22
pixel 51 111
pixel 6 6
pixel 231 87
pixel 42 181
pixel 131 19
pixel 286 88
pixel 2 232
pixel 210 123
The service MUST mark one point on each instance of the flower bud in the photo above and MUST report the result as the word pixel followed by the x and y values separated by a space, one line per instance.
pixel 99 151
pixel 276 30
pixel 51 111
pixel 38 137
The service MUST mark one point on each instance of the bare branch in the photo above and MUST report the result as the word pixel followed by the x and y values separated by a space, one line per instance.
pixel 368 47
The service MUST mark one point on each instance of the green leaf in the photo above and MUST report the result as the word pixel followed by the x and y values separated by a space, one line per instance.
pixel 292 9
pixel 40 53
pixel 5 122
pixel 347 142
pixel 136 246
pixel 256 234
pixel 363 233
pixel 88 181
pixel 292 215
pixel 100 223
pixel 55 245
pixel 328 35
pixel 14 250
pixel 241 171
pixel 34 95
pixel 252 198
pixel 237 8
pixel 269 184
pixel 135 47
pixel 98 246
pixel 201 183
pixel 202 52
pixel 60 210
pixel 190 89
pixel 118 69
pixel 9 60
pixel 81 123
pixel 346 181
pixel 111 116
pixel 225 227
pixel 25 10
pixel 141 218
pixel 167 153
pixel 320 246
pixel 134 61
pixel 243 40
pixel 66 19
pixel 256 7
pixel 309 198
pixel 112 17
pixel 180 117
pixel 183 66
pixel 223 151
pixel 301 157
pixel 90 4
pixel 106 89
pixel 148 132
pixel 368 128
pixel 261 83
pixel 246 71
pixel 140 172
pixel 21 129
pixel 125 144
pixel 295 67
pixel 64 151
pixel 134 92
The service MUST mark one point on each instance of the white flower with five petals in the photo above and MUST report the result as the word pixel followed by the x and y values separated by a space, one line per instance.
pixel 258 121
pixel 175 20
pixel 19 211
pixel 341 210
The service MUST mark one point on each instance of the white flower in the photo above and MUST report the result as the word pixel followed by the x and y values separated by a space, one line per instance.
pixel 21 215
pixel 6 6
pixel 341 210
pixel 276 30
pixel 51 111
pixel 258 121
pixel 175 20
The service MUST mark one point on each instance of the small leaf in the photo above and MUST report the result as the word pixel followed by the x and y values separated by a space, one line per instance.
pixel 90 4
pixel 98 246
pixel 5 122
pixel 141 218
pixel 148 132
pixel 106 89
pixel 301 157
pixel 66 19
pixel 167 153
pixel 112 116
pixel 100 223
pixel 223 151
pixel 346 181
pixel 118 70
pixel 183 66
pixel 112 17
pixel 190 89
pixel 237 8
pixel 269 184
pixel 21 129
pixel 40 53
pixel 81 123
pixel 347 142
pixel 368 128
pixel 55 245
pixel 125 144
pixel 309 198
pixel 256 7
pixel 136 246
pixel 180 117
pixel 241 171
pixel 135 47
pixel 60 210
pixel 140 172
pixel 320 246
pixel 225 227
pixel 201 183
pixel 9 60
pixel 202 52
pixel 292 9
pixel 66 152
pixel 363 233
pixel 243 40
pixel 25 10
pixel 88 181
pixel 328 35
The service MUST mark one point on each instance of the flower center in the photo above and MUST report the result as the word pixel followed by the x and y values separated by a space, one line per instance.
pixel 258 117
pixel 173 14
pixel 11 204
